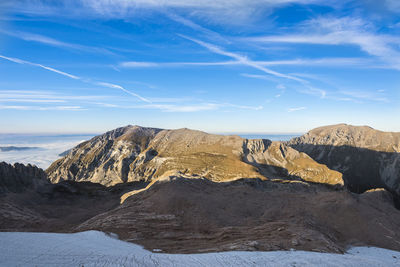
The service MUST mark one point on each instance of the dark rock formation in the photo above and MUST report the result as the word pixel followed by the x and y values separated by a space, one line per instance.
pixel 367 158
pixel 18 177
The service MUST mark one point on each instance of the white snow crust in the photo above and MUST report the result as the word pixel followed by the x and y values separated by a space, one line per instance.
pixel 93 248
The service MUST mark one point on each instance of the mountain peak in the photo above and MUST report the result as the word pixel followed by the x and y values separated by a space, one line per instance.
pixel 134 153
pixel 367 157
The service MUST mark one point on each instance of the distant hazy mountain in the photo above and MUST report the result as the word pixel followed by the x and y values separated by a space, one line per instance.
pixel 368 158
pixel 134 153
pixel 15 148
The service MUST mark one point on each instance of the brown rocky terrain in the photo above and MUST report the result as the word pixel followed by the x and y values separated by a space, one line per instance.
pixel 186 215
pixel 135 153
pixel 182 215
pixel 366 157
pixel 184 191
pixel 35 204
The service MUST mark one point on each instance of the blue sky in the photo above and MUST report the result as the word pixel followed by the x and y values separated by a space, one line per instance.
pixel 262 66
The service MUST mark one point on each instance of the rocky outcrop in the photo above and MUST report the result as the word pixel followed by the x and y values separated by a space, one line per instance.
pixel 276 160
pixel 18 177
pixel 135 153
pixel 368 158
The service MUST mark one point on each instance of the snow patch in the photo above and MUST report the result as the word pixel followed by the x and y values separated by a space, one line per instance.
pixel 93 248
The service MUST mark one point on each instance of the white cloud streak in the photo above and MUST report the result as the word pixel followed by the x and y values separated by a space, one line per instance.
pixel 221 11
pixel 104 84
pixel 329 62
pixel 163 104
pixel 32 100
pixel 362 95
pixel 45 96
pixel 195 107
pixel 296 109
pixel 116 86
pixel 136 64
pixel 342 31
pixel 242 59
pixel 65 108
pixel 31 37
pixel 20 61
pixel 202 107
pixel 189 23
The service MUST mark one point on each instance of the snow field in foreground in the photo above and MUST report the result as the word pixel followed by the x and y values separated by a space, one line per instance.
pixel 93 248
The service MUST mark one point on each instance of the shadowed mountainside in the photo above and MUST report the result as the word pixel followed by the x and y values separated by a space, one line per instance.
pixel 134 153
pixel 367 158
pixel 186 215
pixel 18 177
pixel 181 215
pixel 29 202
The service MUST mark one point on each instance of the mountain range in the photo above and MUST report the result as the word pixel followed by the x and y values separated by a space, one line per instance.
pixel 188 191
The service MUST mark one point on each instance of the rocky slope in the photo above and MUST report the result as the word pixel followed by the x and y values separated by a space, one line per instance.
pixel 181 215
pixel 368 158
pixel 18 177
pixel 181 191
pixel 135 153
pixel 251 214
pixel 29 202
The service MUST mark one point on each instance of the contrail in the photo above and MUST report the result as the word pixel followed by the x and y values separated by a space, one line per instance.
pixel 104 84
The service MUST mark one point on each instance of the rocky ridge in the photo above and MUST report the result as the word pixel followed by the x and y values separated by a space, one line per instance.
pixel 366 157
pixel 136 153
pixel 19 177
pixel 185 191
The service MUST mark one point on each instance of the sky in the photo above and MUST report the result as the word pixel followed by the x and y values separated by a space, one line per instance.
pixel 261 66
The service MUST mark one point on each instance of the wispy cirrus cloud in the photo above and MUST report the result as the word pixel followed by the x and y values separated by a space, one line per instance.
pixel 138 64
pixel 32 100
pixel 32 37
pixel 45 96
pixel 241 59
pixel 296 109
pixel 195 107
pixel 44 100
pixel 104 84
pixel 378 96
pixel 116 86
pixel 221 11
pixel 342 31
pixel 67 108
pixel 327 62
pixel 24 62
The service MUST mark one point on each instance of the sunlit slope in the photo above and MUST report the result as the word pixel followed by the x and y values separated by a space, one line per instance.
pixel 134 153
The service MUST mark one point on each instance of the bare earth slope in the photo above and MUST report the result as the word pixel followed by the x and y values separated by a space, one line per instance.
pixel 186 215
pixel 135 153
pixel 181 215
pixel 368 158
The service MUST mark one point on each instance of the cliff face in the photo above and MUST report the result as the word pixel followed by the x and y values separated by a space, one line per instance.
pixel 368 158
pixel 135 153
pixel 18 177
